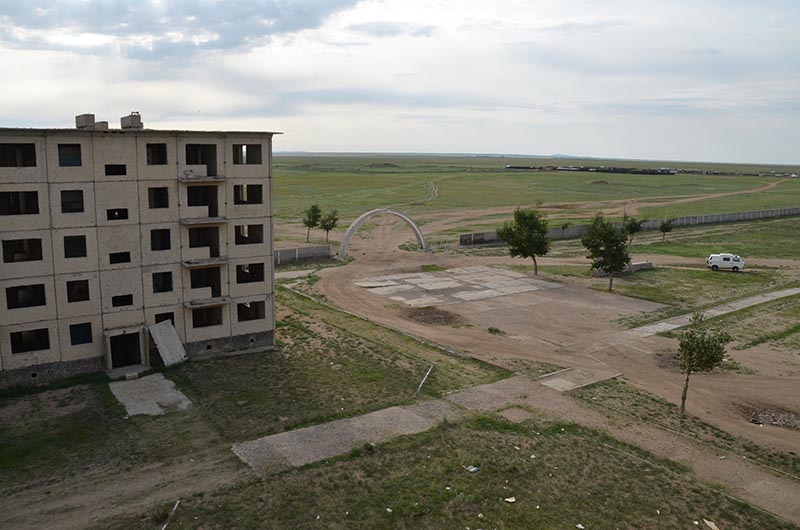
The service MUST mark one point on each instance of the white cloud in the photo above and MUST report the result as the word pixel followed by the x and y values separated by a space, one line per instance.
pixel 702 79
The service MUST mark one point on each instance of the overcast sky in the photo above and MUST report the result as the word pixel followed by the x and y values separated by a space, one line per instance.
pixel 664 79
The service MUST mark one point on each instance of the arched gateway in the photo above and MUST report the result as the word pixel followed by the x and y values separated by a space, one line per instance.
pixel 353 228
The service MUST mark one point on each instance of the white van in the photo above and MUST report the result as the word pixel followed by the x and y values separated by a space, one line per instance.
pixel 725 261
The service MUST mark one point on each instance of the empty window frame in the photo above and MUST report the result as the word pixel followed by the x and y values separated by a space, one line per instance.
pixel 249 234
pixel 122 300
pixel 159 239
pixel 119 257
pixel 18 250
pixel 203 196
pixel 17 155
pixel 206 236
pixel 202 154
pixel 247 194
pixel 117 214
pixel 116 170
pixel 71 201
pixel 77 291
pixel 246 154
pixel 30 340
pixel 205 278
pixel 74 246
pixel 161 317
pixel 206 316
pixel 19 203
pixel 158 197
pixel 162 282
pixel 156 154
pixel 22 296
pixel 80 333
pixel 251 311
pixel 69 155
pixel 250 273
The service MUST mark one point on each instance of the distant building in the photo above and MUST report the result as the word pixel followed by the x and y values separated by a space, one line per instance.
pixel 106 231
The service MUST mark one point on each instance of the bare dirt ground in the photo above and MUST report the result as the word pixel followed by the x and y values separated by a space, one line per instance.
pixel 571 326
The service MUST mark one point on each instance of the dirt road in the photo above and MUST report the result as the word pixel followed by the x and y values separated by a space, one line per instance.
pixel 571 326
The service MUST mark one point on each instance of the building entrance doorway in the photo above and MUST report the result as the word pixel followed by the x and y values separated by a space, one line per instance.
pixel 126 350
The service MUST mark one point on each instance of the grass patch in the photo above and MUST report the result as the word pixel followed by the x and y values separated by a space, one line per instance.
pixel 58 433
pixel 330 365
pixel 496 331
pixel 620 396
pixel 579 476
pixel 433 268
pixel 775 238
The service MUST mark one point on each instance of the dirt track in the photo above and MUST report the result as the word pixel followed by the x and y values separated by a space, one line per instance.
pixel 570 326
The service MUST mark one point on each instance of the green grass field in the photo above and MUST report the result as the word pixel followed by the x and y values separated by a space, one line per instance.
pixel 774 238
pixel 354 184
pixel 578 477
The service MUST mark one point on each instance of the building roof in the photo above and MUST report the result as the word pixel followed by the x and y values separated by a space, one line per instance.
pixel 31 131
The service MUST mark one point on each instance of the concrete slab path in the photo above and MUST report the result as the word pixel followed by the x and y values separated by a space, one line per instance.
pixel 151 395
pixel 740 477
pixel 683 320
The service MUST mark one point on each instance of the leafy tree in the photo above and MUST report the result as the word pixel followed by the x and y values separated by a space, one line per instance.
pixel 664 227
pixel 607 247
pixel 526 235
pixel 700 350
pixel 311 218
pixel 632 226
pixel 328 222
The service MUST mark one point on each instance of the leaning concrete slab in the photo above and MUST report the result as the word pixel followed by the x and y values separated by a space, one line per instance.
pixel 150 395
pixel 169 345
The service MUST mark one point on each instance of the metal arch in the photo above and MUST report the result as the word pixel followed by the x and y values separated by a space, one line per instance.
pixel 361 219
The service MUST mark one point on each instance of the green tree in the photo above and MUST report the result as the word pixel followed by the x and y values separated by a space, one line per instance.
pixel 664 227
pixel 607 247
pixel 526 235
pixel 311 218
pixel 700 350
pixel 328 222
pixel 632 227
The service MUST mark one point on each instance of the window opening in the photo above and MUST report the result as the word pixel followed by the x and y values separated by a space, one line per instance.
pixel 251 311
pixel 19 202
pixel 74 246
pixel 69 155
pixel 247 194
pixel 80 333
pixel 19 250
pixel 160 239
pixel 30 340
pixel 71 201
pixel 77 291
pixel 162 282
pixel 119 257
pixel 17 155
pixel 22 296
pixel 156 154
pixel 204 317
pixel 158 197
pixel 249 234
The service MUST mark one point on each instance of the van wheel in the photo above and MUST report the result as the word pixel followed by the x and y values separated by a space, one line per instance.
pixel 735 269
pixel 714 268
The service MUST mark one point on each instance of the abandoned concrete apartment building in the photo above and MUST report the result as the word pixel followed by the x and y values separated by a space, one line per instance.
pixel 108 231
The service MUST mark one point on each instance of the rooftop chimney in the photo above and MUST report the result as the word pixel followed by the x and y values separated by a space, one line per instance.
pixel 84 121
pixel 132 121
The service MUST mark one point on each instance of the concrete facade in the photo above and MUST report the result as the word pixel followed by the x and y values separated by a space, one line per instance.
pixel 105 232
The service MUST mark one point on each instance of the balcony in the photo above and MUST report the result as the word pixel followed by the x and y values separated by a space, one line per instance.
pixel 207 302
